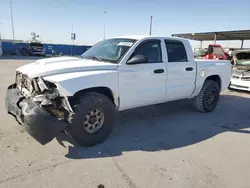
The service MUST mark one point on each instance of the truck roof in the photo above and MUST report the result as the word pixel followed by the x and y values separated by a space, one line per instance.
pixel 139 37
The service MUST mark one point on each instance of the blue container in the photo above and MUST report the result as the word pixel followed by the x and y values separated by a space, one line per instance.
pixel 10 48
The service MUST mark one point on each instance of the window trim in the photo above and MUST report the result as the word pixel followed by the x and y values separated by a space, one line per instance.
pixel 143 42
pixel 120 59
pixel 173 41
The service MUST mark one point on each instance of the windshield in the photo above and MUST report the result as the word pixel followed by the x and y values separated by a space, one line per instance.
pixel 109 50
pixel 217 50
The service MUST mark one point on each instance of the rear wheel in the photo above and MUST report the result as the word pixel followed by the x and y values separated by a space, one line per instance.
pixel 93 119
pixel 207 99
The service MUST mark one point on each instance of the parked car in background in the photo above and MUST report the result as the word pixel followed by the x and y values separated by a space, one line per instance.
pixel 34 48
pixel 79 95
pixel 229 52
pixel 199 53
pixel 241 70
pixel 215 51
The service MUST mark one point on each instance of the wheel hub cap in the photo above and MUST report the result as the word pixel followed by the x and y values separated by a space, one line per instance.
pixel 93 120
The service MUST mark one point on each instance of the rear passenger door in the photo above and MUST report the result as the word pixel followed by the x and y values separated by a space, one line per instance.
pixel 181 72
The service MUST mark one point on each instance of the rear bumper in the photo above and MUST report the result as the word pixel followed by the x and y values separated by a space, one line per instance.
pixel 42 126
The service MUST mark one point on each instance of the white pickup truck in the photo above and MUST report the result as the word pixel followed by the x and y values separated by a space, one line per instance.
pixel 80 95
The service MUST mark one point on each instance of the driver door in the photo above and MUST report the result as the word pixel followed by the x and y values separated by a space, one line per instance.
pixel 145 83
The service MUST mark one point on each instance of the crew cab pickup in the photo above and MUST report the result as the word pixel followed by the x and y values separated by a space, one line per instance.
pixel 80 95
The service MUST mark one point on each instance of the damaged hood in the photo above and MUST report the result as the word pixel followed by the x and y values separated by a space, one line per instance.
pixel 61 65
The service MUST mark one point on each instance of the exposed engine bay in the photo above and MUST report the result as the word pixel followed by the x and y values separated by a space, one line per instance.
pixel 45 94
pixel 241 70
pixel 241 62
pixel 241 59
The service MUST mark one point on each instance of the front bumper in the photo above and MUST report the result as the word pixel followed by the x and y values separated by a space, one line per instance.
pixel 38 53
pixel 240 84
pixel 37 121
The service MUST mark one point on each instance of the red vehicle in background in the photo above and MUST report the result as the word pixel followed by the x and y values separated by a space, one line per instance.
pixel 215 51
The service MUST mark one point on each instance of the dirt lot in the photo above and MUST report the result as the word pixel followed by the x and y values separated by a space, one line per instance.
pixel 167 145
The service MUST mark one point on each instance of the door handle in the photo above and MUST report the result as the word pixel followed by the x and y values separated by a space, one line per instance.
pixel 158 71
pixel 189 68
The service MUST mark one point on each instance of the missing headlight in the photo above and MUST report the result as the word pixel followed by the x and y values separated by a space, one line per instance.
pixel 41 84
pixel 49 84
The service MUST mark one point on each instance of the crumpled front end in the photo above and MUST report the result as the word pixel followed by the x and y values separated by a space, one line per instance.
pixel 40 110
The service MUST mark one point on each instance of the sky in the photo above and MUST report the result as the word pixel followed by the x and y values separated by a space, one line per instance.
pixel 53 19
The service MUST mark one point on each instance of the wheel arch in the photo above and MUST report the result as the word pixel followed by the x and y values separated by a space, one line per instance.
pixel 215 78
pixel 100 89
pixel 201 80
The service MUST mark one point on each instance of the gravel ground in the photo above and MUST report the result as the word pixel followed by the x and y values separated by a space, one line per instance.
pixel 166 145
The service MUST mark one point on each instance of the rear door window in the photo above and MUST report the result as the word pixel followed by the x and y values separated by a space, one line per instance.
pixel 176 51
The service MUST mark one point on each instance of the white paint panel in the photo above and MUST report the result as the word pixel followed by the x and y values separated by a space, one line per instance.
pixel 180 82
pixel 140 86
pixel 60 65
pixel 70 83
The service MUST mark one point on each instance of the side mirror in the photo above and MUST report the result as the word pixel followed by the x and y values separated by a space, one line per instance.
pixel 138 59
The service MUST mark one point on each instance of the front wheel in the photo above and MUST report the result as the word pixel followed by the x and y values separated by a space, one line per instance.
pixel 93 119
pixel 207 99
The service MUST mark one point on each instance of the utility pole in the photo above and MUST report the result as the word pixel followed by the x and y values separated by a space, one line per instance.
pixel 74 37
pixel 72 40
pixel 150 29
pixel 11 14
pixel 215 38
pixel 104 26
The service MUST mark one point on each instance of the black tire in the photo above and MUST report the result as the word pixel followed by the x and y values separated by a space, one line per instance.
pixel 201 101
pixel 87 102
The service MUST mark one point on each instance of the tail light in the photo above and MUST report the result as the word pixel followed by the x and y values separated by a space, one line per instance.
pixel 214 57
